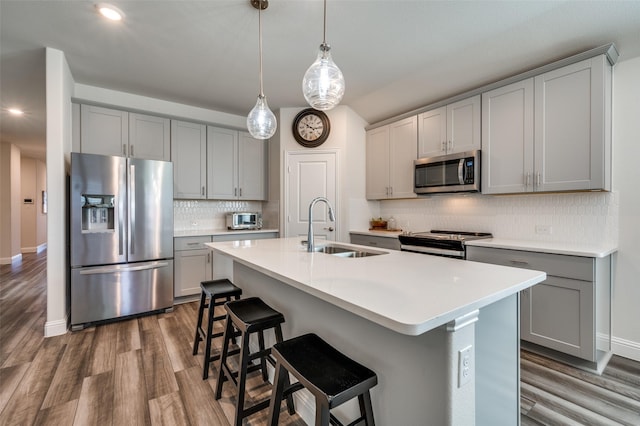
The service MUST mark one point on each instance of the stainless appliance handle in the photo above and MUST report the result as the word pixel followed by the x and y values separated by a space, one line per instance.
pixel 432 250
pixel 132 208
pixel 461 171
pixel 124 268
pixel 120 219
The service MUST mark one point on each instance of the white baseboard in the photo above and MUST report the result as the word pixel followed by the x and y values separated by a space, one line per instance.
pixel 55 328
pixel 10 260
pixel 29 249
pixel 625 348
pixel 42 247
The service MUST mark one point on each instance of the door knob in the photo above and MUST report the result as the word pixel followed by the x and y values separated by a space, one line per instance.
pixel 330 229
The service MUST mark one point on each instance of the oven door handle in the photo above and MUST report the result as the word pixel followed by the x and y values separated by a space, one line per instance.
pixel 432 250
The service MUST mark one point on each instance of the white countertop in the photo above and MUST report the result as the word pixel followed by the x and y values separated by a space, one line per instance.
pixel 406 292
pixel 388 234
pixel 199 232
pixel 569 249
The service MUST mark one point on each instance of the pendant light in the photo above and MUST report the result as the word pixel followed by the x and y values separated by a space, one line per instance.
pixel 323 83
pixel 261 122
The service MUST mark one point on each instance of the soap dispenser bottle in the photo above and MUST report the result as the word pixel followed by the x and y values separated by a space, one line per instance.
pixel 391 223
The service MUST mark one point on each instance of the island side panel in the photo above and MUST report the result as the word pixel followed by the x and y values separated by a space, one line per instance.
pixel 412 376
pixel 498 363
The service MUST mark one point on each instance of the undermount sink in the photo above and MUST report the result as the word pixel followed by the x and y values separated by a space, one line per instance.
pixel 342 251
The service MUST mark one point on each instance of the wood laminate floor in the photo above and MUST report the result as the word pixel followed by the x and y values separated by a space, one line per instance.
pixel 141 371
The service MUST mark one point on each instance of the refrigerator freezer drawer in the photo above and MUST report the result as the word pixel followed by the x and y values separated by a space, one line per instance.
pixel 113 291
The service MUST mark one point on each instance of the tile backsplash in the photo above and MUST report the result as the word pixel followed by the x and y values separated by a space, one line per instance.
pixel 579 218
pixel 205 214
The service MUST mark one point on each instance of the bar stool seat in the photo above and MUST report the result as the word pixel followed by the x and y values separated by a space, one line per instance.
pixel 248 316
pixel 332 377
pixel 218 292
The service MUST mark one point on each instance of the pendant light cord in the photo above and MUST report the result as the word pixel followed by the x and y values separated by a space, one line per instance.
pixel 260 44
pixel 324 33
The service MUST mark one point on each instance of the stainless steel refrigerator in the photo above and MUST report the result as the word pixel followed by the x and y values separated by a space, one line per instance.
pixel 121 237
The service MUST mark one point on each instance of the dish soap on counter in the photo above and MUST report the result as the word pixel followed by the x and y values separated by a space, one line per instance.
pixel 392 224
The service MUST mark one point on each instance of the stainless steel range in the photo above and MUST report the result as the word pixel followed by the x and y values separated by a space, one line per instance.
pixel 440 243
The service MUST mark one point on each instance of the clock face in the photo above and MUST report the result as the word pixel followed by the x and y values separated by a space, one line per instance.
pixel 311 128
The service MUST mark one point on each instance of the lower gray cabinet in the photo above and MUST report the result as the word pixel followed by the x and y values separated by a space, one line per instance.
pixel 192 264
pixel 392 243
pixel 570 311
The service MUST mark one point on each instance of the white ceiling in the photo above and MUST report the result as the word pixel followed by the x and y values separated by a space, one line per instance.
pixel 396 55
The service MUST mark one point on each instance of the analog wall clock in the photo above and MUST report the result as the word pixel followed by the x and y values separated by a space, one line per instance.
pixel 311 128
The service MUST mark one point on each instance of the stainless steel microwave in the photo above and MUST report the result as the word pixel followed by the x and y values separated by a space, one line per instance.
pixel 459 172
pixel 244 220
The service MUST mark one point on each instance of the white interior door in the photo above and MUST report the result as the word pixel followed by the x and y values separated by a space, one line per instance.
pixel 310 175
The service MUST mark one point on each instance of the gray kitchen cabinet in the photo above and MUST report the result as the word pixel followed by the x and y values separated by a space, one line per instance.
pixel 507 138
pixel 390 242
pixel 108 131
pixel 449 129
pixel 192 264
pixel 149 137
pixel 104 131
pixel 236 165
pixel 391 151
pixel 569 312
pixel 189 156
pixel 559 139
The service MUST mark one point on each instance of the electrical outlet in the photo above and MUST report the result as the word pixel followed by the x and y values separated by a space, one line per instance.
pixel 543 229
pixel 465 365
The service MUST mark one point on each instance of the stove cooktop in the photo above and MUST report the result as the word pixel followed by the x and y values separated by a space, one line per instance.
pixel 439 235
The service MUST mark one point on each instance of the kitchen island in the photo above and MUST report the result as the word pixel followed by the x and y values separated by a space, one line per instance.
pixel 441 334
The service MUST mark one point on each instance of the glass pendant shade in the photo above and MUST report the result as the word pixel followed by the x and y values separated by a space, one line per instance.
pixel 323 83
pixel 261 122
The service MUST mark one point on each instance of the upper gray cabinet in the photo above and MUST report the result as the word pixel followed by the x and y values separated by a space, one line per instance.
pixel 189 154
pixel 109 131
pixel 236 165
pixel 551 132
pixel 391 151
pixel 149 137
pixel 451 128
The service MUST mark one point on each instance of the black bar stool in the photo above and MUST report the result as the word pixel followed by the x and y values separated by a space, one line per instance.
pixel 248 316
pixel 218 292
pixel 329 375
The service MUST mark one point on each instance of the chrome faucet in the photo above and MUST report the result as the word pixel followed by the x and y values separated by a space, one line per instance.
pixel 332 218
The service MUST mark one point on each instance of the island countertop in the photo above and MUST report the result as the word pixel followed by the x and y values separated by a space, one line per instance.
pixel 406 292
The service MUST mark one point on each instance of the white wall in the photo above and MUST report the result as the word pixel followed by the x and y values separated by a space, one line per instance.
pixel 33 233
pixel 9 203
pixel 626 174
pixel 347 138
pixel 59 83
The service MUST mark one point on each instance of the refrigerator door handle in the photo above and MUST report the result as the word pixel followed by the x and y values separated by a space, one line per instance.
pixel 124 268
pixel 132 208
pixel 120 220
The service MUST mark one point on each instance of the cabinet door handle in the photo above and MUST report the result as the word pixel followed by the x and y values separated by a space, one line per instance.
pixel 193 244
pixel 124 149
pixel 527 179
pixel 203 190
pixel 444 146
pixel 208 257
pixel 538 179
pixel 130 150
pixel 450 145
pixel 519 263
pixel 390 191
pixel 240 192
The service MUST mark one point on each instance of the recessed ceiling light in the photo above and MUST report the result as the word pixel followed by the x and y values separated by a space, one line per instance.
pixel 15 111
pixel 110 11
